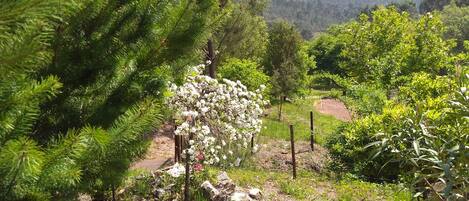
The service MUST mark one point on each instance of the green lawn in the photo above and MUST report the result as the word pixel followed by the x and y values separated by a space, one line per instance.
pixel 297 114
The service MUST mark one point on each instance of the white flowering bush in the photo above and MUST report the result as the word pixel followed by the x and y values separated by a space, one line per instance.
pixel 223 117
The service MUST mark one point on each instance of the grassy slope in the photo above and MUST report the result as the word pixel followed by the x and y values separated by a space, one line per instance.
pixel 297 114
pixel 314 186
pixel 309 185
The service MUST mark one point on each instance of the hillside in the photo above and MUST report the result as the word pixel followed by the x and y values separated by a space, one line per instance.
pixel 312 16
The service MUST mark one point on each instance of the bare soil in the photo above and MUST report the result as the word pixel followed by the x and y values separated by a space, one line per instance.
pixel 333 107
pixel 276 155
pixel 161 151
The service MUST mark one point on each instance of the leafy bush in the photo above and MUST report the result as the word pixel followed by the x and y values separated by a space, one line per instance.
pixel 365 99
pixel 423 132
pixel 347 146
pixel 248 73
pixel 433 140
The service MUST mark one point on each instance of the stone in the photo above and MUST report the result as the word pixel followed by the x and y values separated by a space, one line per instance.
pixel 84 197
pixel 223 176
pixel 225 185
pixel 240 196
pixel 255 193
pixel 209 189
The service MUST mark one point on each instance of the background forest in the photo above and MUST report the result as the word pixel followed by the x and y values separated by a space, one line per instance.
pixel 85 84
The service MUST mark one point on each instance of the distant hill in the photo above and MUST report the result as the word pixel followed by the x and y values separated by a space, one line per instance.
pixel 313 16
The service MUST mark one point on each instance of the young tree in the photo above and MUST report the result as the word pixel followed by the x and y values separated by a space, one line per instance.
pixel 242 34
pixel 456 20
pixel 382 48
pixel 284 62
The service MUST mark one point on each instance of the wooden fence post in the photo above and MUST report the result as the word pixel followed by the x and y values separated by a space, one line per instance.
pixel 188 166
pixel 176 144
pixel 252 144
pixel 292 139
pixel 180 147
pixel 312 129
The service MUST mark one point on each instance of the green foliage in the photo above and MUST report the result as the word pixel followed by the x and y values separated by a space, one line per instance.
pixel 248 72
pixel 382 47
pixel 433 141
pixel 456 20
pixel 365 99
pixel 81 86
pixel 326 49
pixel 243 34
pixel 347 146
pixel 431 5
pixel 159 185
pixel 284 61
pixel 333 80
pixel 25 30
pixel 419 113
pixel 407 6
pixel 111 55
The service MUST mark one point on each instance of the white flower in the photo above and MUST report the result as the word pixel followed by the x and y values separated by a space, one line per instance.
pixel 225 110
pixel 176 170
pixel 237 162
pixel 255 148
pixel 262 87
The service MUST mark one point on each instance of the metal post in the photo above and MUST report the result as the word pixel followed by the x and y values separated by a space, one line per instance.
pixel 292 139
pixel 312 129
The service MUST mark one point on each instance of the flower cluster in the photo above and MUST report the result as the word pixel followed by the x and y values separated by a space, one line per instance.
pixel 223 117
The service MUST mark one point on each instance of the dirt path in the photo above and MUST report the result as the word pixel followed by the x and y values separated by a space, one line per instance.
pixel 333 107
pixel 161 151
pixel 275 155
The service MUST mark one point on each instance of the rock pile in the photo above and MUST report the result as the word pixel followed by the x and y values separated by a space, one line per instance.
pixel 226 190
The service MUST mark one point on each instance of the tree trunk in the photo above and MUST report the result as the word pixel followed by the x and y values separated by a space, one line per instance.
pixel 211 57
pixel 113 193
pixel 280 108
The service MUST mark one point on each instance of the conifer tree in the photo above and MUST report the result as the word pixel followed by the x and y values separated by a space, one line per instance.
pixel 113 54
pixel 81 86
pixel 25 31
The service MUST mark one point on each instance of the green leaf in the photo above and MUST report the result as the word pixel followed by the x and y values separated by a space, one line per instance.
pixel 416 145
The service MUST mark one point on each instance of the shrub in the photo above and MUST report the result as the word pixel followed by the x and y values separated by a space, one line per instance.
pixel 422 136
pixel 248 73
pixel 433 141
pixel 223 117
pixel 366 99
pixel 347 146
